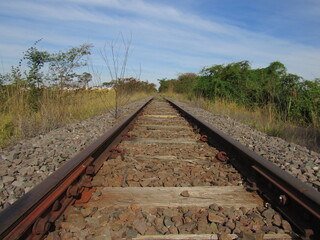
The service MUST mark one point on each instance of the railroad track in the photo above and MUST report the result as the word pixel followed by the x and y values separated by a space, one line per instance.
pixel 163 174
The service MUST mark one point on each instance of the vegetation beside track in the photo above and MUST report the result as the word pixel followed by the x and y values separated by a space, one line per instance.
pixel 47 90
pixel 269 99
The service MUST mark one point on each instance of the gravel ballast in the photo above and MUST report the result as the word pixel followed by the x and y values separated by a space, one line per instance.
pixel 299 161
pixel 130 222
pixel 29 162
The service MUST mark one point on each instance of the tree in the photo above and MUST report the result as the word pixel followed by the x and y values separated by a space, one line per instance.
pixel 287 94
pixel 211 83
pixel 185 82
pixel 275 71
pixel 167 85
pixel 84 79
pixel 35 61
pixel 63 65
pixel 5 79
pixel 32 77
pixel 306 107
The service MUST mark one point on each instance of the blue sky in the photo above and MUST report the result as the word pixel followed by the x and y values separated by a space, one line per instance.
pixel 168 37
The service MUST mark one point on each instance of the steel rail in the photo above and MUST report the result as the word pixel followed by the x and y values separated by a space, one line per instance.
pixel 31 216
pixel 298 202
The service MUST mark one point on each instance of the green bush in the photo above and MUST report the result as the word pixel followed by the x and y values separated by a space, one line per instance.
pixel 291 98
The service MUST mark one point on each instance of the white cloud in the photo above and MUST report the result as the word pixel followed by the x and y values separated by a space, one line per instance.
pixel 163 35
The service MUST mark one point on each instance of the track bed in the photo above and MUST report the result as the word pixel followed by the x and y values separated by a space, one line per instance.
pixel 163 182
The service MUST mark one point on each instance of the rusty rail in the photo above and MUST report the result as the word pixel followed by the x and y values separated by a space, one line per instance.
pixel 31 216
pixel 297 201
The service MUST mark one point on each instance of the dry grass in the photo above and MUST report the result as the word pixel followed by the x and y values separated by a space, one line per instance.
pixel 56 108
pixel 264 120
